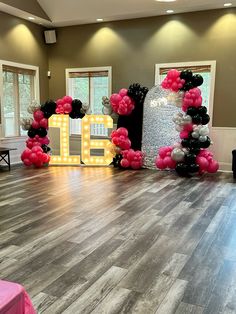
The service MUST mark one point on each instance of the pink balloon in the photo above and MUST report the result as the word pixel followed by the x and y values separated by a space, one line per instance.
pixel 115 98
pixel 35 124
pixel 213 167
pixel 162 152
pixel 160 163
pixel 67 99
pixel 36 149
pixel 59 102
pixel 45 140
pixel 184 134
pixel 123 92
pixel 67 107
pixel 169 162
pixel 202 162
pixel 131 154
pixel 27 162
pixel 125 163
pixel 122 131
pixel 38 115
pixel 26 153
pixel 44 123
pixel 33 158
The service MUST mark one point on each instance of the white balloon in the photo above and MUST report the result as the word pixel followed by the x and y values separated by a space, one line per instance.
pixel 85 106
pixel 204 131
pixel 195 134
pixel 187 119
pixel 177 154
pixel 203 138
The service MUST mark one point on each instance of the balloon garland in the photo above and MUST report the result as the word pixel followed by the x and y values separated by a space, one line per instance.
pixel 37 151
pixel 126 140
pixel 190 156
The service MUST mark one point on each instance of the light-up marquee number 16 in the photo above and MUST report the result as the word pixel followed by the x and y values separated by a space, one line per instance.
pixel 62 122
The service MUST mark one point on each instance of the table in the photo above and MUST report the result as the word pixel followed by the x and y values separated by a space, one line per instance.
pixel 5 153
pixel 14 299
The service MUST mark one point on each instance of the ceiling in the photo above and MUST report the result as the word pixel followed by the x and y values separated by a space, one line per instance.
pixel 76 12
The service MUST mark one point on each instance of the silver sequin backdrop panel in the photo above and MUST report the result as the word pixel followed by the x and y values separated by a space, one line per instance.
pixel 158 127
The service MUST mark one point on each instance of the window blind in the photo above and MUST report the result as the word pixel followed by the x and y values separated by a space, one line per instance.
pixel 194 69
pixel 88 74
pixel 7 68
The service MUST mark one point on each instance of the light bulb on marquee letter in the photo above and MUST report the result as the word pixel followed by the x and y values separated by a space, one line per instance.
pixel 62 122
pixel 88 144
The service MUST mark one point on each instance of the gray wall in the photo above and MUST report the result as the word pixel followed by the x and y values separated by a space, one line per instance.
pixel 23 42
pixel 133 47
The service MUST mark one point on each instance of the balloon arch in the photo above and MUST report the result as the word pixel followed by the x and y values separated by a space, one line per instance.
pixel 188 156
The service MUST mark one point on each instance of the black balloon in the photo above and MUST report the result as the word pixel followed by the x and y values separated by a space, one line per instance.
pixel 205 119
pixel 197 119
pixel 49 107
pixel 194 143
pixel 187 86
pixel 137 93
pixel 116 161
pixel 45 148
pixel 76 110
pixel 202 110
pixel 186 75
pixel 47 115
pixel 197 80
pixel 42 132
pixel 31 132
pixel 185 142
pixel 193 168
pixel 192 111
pixel 182 169
pixel 194 151
pixel 206 144
pixel 190 158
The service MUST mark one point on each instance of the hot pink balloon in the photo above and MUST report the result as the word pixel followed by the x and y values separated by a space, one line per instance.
pixel 125 163
pixel 35 124
pixel 67 108
pixel 38 115
pixel 44 123
pixel 27 162
pixel 160 163
pixel 213 167
pixel 123 92
pixel 67 99
pixel 202 162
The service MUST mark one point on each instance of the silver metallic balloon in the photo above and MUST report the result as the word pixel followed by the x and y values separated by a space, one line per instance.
pixel 177 154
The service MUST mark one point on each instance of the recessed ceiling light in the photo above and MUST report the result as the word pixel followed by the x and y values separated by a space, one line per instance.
pixel 227 4
pixel 165 0
pixel 31 18
pixel 170 11
pixel 99 20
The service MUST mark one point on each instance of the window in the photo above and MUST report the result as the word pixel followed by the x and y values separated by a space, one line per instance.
pixel 205 68
pixel 18 89
pixel 89 85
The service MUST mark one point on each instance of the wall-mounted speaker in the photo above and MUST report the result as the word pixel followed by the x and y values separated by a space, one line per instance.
pixel 50 37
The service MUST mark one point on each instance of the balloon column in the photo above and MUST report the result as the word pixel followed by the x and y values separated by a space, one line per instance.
pixel 37 152
pixel 128 104
pixel 190 156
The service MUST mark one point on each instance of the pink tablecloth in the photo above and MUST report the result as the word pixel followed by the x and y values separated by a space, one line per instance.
pixel 14 299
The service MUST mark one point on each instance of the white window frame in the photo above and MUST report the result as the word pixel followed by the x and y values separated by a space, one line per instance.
pixel 90 69
pixel 211 63
pixel 36 88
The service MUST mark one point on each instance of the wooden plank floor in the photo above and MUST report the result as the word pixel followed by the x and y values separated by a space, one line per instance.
pixel 100 240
